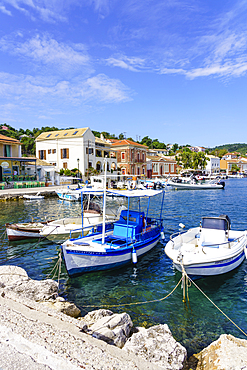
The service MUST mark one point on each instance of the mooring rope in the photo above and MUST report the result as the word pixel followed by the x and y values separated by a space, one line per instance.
pixel 187 280
pixel 136 303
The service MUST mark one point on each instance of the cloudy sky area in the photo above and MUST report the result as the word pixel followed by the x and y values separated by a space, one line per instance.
pixel 173 70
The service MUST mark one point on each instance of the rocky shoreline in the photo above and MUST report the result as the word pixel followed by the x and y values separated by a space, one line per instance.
pixel 35 322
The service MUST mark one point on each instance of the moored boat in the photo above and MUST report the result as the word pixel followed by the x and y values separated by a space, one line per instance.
pixel 21 231
pixel 193 184
pixel 134 234
pixel 211 249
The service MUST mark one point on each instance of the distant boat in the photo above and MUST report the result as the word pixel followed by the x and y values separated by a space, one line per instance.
pixel 211 249
pixel 193 184
pixel 128 238
pixel 33 196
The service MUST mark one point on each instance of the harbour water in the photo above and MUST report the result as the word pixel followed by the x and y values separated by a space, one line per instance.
pixel 195 324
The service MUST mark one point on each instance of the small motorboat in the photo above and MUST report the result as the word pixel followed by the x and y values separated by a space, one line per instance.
pixel 110 246
pixel 194 184
pixel 210 249
pixel 21 231
pixel 33 196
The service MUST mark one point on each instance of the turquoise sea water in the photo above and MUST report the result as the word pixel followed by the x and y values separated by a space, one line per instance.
pixel 195 324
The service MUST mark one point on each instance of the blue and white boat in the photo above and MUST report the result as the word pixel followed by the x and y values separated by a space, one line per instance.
pixel 112 245
pixel 211 249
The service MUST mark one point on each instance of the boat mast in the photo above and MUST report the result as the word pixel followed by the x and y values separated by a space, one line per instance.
pixel 104 202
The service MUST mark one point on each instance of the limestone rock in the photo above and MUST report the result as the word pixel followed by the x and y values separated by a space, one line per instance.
pixel 157 346
pixel 94 316
pixel 10 275
pixel 38 290
pixel 61 305
pixel 110 327
pixel 228 353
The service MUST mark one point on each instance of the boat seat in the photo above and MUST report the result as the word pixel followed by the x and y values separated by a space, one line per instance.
pixel 212 238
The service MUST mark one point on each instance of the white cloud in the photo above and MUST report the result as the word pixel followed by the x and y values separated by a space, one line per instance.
pixel 4 10
pixel 49 11
pixel 32 91
pixel 47 51
pixel 133 64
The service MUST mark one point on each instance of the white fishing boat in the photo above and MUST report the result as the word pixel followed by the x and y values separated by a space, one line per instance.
pixel 69 194
pixel 210 249
pixel 27 230
pixel 193 184
pixel 33 196
pixel 134 234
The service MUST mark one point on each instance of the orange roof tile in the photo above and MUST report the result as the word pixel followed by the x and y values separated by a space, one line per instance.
pixel 128 142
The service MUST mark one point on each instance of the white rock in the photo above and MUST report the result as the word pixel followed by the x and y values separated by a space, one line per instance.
pixel 10 275
pixel 112 328
pixel 157 346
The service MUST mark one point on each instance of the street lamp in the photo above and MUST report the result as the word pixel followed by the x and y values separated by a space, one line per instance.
pixel 78 160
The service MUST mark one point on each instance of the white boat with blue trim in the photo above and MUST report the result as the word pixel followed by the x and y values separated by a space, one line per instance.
pixel 111 245
pixel 211 249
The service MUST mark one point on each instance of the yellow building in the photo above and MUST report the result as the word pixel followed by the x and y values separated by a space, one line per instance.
pixel 12 164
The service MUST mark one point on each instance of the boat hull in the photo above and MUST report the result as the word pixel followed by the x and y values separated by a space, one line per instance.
pixel 78 262
pixel 17 232
pixel 213 268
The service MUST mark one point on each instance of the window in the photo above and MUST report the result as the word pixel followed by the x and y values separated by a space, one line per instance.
pixel 56 135
pixel 122 156
pixel 64 153
pixel 7 151
pixel 54 151
pixel 42 154
pixel 49 151
pixel 65 165
pixel 89 150
pixel 48 135
pixel 66 133
pixel 155 167
pixel 172 167
pixel 75 133
pixel 166 165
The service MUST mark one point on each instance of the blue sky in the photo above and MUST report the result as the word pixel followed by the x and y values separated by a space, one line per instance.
pixel 168 69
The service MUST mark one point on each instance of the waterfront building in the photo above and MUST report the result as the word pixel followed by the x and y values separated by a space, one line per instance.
pixel 229 165
pixel 213 165
pixel 74 149
pixel 131 157
pixel 161 166
pixel 12 164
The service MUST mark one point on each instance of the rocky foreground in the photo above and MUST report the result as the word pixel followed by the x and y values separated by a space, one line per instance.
pixel 51 333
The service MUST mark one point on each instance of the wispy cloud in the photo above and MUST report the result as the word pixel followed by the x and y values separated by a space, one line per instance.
pixel 45 50
pixel 49 11
pixel 26 90
pixel 4 10
pixel 131 63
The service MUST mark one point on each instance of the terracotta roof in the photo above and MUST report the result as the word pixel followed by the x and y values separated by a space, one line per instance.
pixel 62 134
pixel 128 142
pixel 157 158
pixel 6 139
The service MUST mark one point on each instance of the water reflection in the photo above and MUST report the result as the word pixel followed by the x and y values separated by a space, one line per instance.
pixel 196 324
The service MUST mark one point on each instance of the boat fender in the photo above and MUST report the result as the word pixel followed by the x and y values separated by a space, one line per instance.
pixel 134 256
pixel 162 234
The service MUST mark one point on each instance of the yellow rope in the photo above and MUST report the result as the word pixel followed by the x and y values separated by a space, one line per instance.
pixel 216 306
pixel 135 303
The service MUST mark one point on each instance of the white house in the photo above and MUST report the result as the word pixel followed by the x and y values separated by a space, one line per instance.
pixel 213 165
pixel 71 148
